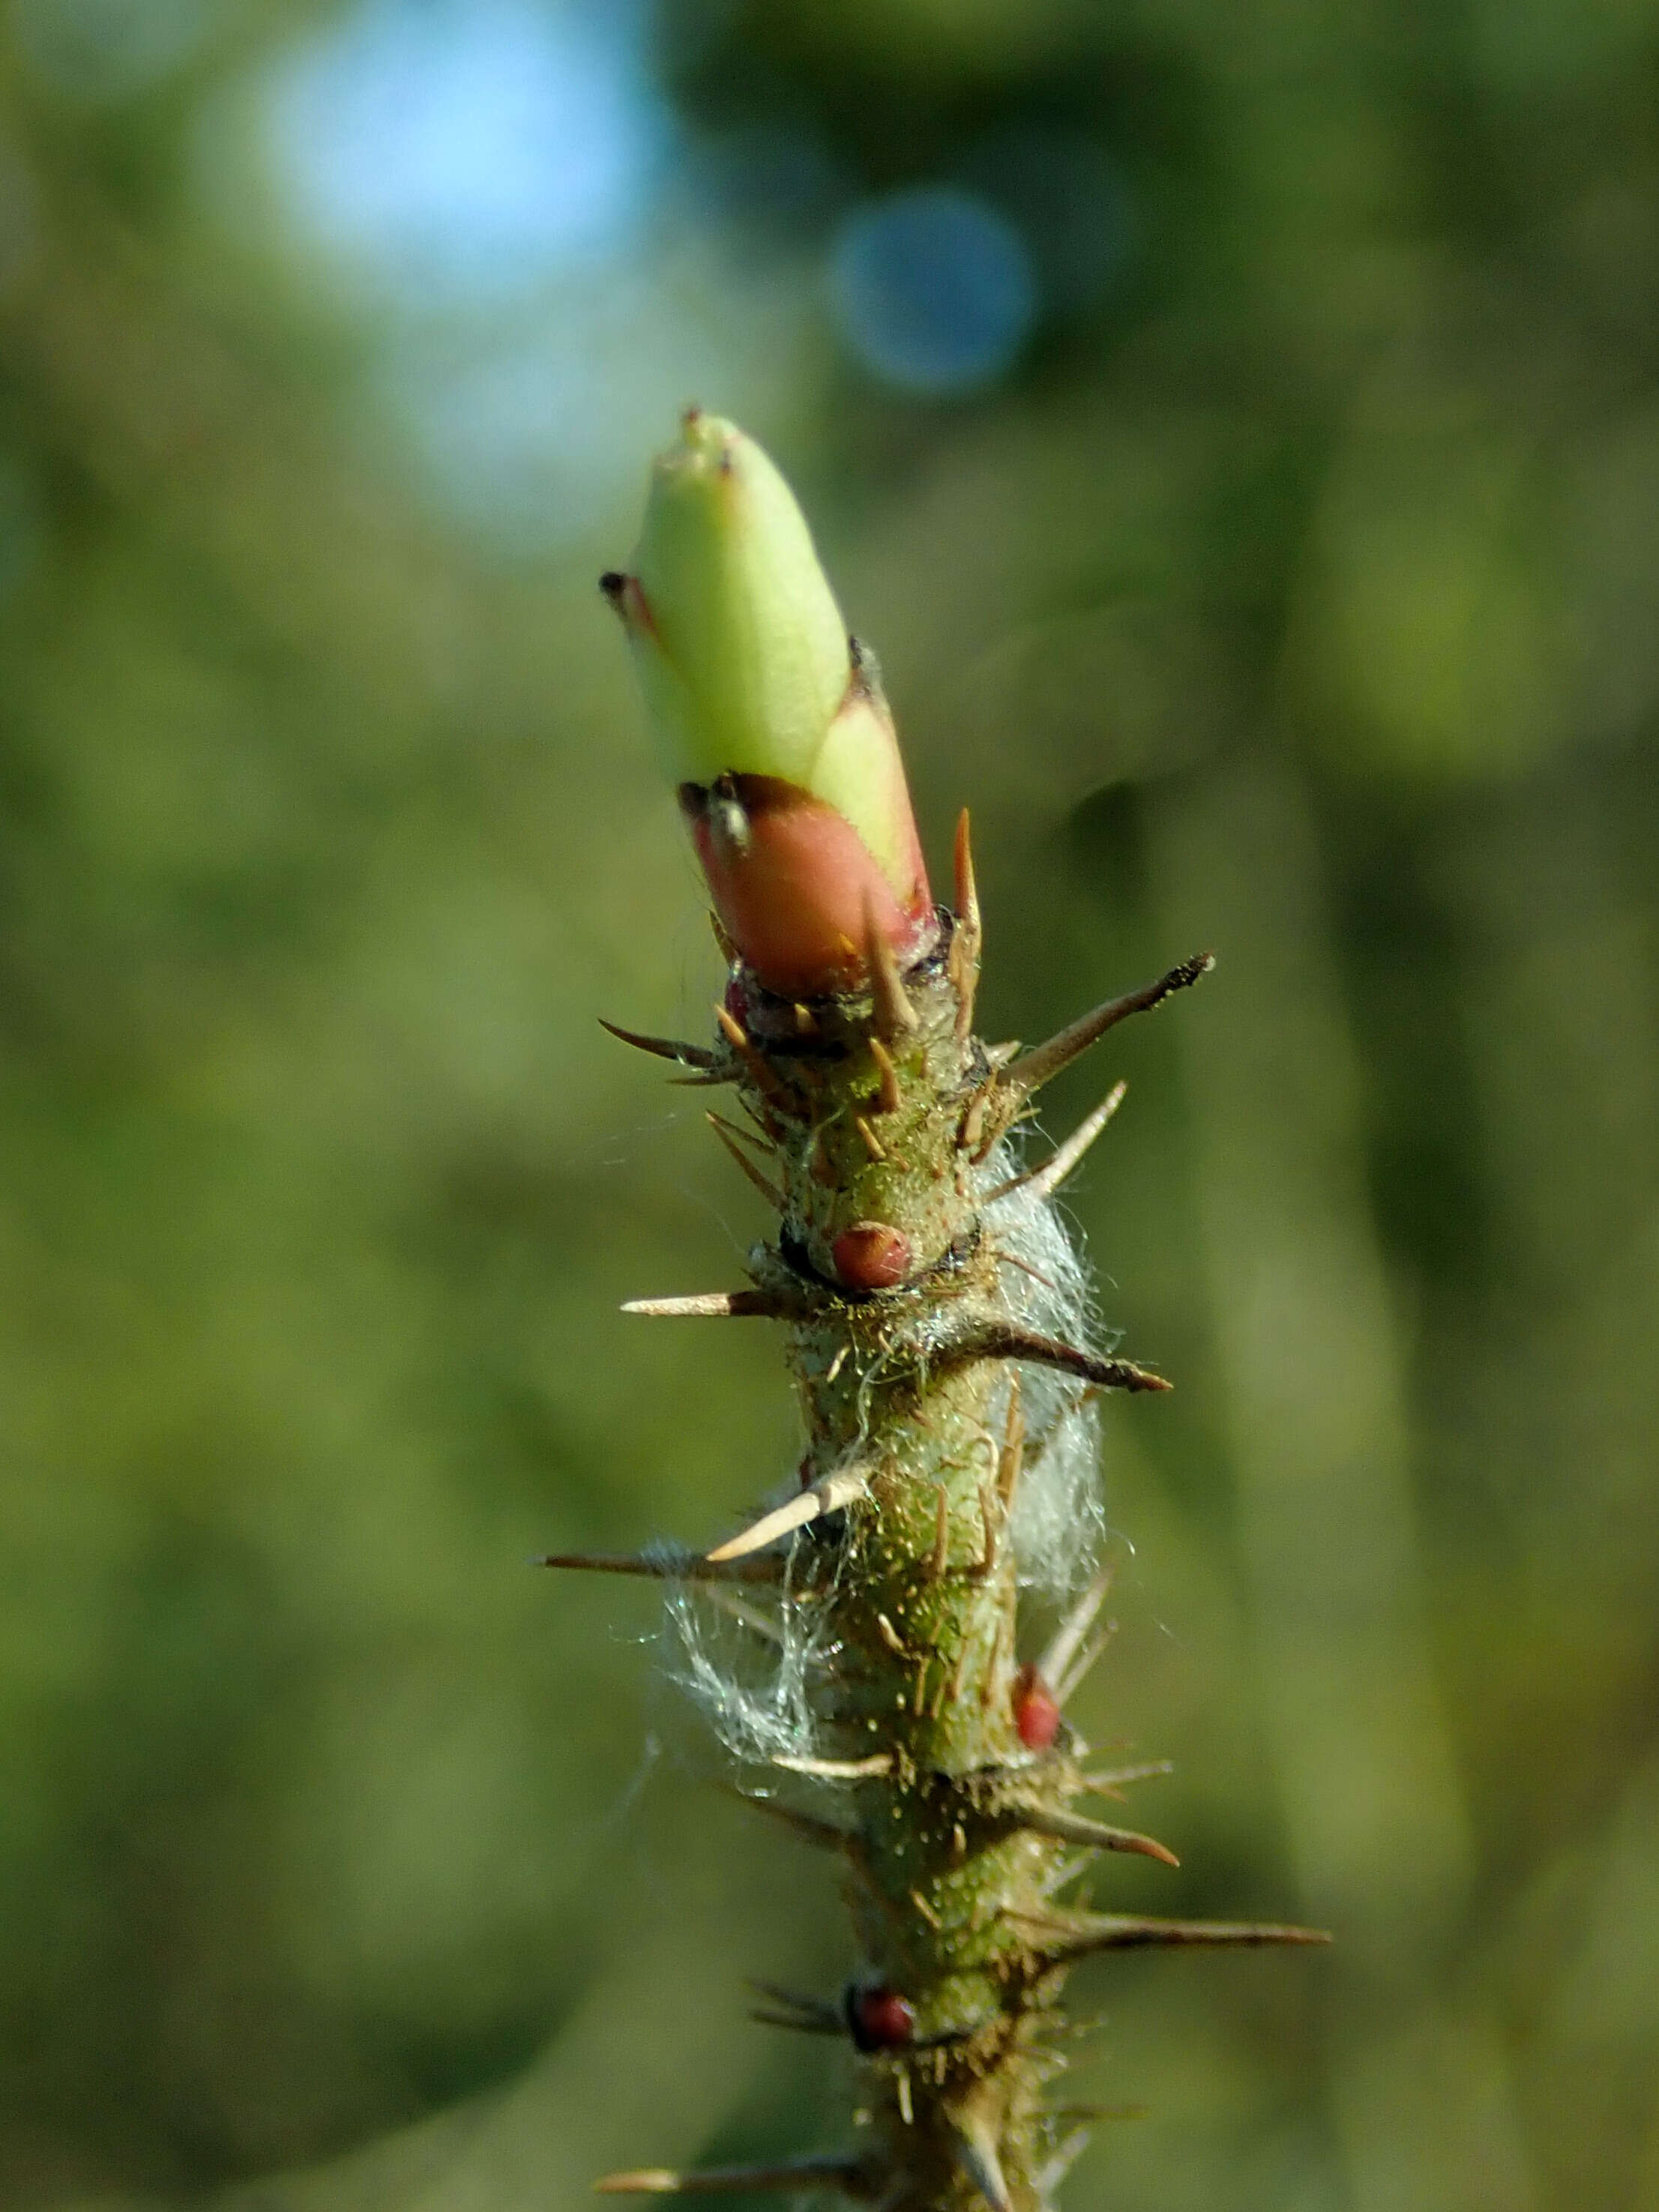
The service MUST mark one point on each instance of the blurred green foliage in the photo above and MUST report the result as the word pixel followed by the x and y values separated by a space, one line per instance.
pixel 1294 594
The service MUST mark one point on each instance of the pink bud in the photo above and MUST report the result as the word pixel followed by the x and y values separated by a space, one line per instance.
pixel 1037 1711
pixel 872 1256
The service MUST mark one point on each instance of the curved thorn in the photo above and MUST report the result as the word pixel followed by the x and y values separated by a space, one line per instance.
pixel 1044 1180
pixel 826 1497
pixel 1072 1828
pixel 688 1055
pixel 1000 1339
pixel 1044 1062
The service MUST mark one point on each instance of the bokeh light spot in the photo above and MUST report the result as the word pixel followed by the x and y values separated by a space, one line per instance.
pixel 933 288
pixel 458 150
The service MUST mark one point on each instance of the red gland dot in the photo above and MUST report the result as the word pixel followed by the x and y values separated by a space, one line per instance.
pixel 880 2019
pixel 1037 1711
pixel 872 1256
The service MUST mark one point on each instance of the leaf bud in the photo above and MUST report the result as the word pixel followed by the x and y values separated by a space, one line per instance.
pixel 772 720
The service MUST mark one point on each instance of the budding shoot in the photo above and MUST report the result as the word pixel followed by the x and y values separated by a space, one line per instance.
pixel 772 721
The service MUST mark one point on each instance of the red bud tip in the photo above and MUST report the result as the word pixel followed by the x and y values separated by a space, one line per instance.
pixel 880 2019
pixel 870 1256
pixel 1037 1711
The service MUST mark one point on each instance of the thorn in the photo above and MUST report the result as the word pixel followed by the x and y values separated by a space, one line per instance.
pixel 688 1055
pixel 1001 1339
pixel 976 2156
pixel 709 1306
pixel 1044 1180
pixel 768 1189
pixel 919 1695
pixel 794 2173
pixel 1012 1455
pixel 765 1079
pixel 968 942
pixel 991 1681
pixel 1115 1779
pixel 836 1770
pixel 1064 2156
pixel 819 1166
pixel 991 1518
pixel 823 2017
pixel 766 1144
pixel 748 1615
pixel 823 1835
pixel 901 2087
pixel 1075 1935
pixel 927 1912
pixel 1013 1260
pixel 889 1092
pixel 1091 1651
pixel 936 1565
pixel 806 1022
pixel 1068 1637
pixel 1069 1870
pixel 829 1495
pixel 894 1015
pixel 792 2021
pixel 1101 2112
pixel 667 1567
pixel 891 1639
pixel 1045 1061
pixel 871 1141
pixel 973 1121
pixel 1096 1835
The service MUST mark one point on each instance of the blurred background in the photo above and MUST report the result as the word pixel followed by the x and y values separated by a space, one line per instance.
pixel 1237 426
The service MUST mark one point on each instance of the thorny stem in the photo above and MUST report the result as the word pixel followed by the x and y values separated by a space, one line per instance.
pixel 938 1768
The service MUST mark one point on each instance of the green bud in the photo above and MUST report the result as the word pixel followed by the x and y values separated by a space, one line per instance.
pixel 772 722
pixel 743 656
